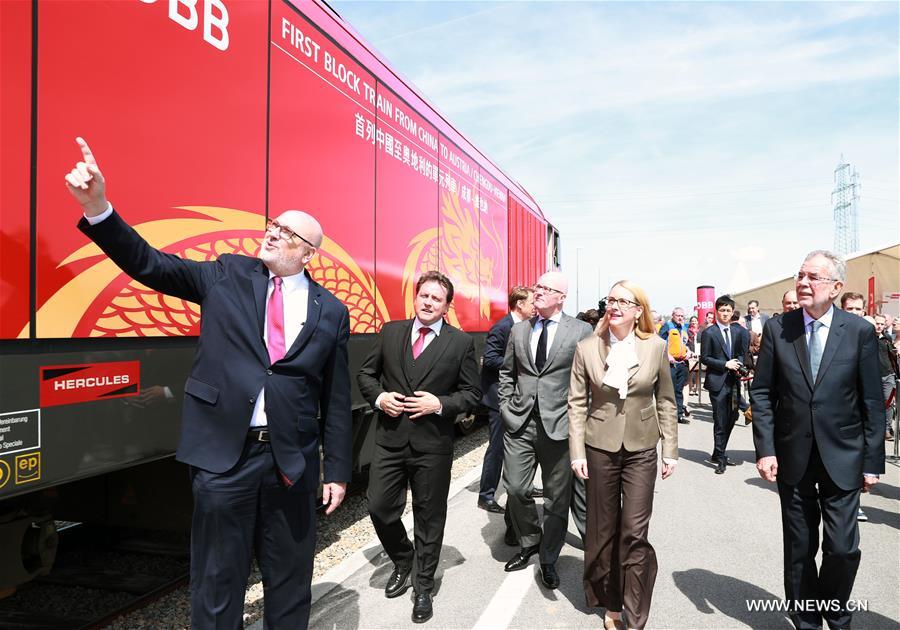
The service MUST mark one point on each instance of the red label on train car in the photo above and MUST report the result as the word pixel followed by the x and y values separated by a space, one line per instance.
pixel 69 384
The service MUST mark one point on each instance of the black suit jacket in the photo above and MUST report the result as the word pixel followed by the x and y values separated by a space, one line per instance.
pixel 713 356
pixel 842 412
pixel 492 361
pixel 446 368
pixel 232 363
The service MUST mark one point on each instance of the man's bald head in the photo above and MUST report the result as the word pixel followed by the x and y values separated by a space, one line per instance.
pixel 550 293
pixel 302 224
pixel 291 241
pixel 555 280
pixel 789 301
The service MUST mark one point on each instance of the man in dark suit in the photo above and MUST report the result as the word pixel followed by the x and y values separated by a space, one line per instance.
pixel 722 346
pixel 420 375
pixel 521 307
pixel 818 422
pixel 754 320
pixel 271 357
pixel 533 393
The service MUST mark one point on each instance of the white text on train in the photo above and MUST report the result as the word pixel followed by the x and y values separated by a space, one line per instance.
pixel 93 381
pixel 215 19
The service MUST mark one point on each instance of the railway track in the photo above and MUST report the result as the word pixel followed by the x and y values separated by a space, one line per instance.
pixel 100 574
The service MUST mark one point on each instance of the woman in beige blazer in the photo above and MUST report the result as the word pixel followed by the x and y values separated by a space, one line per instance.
pixel 621 404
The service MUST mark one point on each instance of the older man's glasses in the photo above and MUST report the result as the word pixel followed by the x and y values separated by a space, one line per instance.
pixel 545 289
pixel 285 234
pixel 812 279
pixel 620 303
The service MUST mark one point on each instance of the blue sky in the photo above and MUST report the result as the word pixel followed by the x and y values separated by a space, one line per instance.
pixel 674 144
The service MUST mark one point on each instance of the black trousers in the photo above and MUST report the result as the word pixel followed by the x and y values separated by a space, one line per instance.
pixel 816 497
pixel 724 408
pixel 243 510
pixel 492 466
pixel 428 475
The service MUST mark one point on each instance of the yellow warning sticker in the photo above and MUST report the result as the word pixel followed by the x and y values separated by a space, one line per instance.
pixel 28 467
pixel 4 473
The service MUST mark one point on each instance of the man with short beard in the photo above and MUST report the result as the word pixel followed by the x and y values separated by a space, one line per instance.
pixel 270 370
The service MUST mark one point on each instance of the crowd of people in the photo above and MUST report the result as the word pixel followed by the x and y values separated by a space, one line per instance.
pixel 594 402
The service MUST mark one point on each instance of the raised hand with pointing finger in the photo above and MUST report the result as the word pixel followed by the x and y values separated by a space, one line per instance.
pixel 86 182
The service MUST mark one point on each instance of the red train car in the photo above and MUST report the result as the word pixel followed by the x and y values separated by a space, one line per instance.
pixel 207 116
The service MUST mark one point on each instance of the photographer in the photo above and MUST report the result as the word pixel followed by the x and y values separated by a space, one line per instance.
pixel 722 346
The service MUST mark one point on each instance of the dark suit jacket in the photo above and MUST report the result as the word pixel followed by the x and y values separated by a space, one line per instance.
pixel 232 363
pixel 713 356
pixel 492 361
pixel 843 411
pixel 446 368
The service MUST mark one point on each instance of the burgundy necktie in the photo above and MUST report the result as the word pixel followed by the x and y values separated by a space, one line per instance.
pixel 419 345
pixel 275 322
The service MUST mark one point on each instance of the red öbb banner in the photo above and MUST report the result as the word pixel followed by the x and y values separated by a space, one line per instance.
pixel 69 384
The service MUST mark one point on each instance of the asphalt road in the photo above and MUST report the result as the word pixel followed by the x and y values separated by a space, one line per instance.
pixel 717 538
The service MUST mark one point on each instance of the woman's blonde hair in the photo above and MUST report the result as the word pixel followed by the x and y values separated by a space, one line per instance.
pixel 643 326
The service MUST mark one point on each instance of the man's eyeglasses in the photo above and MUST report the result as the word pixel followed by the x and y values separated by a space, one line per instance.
pixel 284 233
pixel 620 303
pixel 812 279
pixel 544 289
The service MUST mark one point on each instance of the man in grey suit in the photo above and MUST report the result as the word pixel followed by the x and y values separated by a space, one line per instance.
pixel 533 392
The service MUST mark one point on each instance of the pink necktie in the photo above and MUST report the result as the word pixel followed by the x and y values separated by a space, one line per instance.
pixel 419 345
pixel 275 322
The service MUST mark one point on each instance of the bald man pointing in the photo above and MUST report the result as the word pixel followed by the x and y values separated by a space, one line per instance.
pixel 270 370
pixel 533 394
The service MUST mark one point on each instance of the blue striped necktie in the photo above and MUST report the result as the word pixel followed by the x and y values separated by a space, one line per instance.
pixel 815 349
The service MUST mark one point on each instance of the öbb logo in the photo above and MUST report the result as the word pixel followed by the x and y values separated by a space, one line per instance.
pixel 215 23
pixel 28 467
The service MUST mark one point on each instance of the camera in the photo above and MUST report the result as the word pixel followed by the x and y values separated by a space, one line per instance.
pixel 743 370
pixel 601 307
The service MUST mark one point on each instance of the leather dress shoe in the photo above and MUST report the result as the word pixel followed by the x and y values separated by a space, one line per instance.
pixel 720 465
pixel 510 538
pixel 422 609
pixel 398 583
pixel 490 506
pixel 549 576
pixel 683 421
pixel 520 560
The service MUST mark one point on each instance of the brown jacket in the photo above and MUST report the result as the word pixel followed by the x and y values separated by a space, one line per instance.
pixel 600 419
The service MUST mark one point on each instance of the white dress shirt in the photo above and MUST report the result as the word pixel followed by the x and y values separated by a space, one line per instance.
pixel 756 325
pixel 295 295
pixel 551 333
